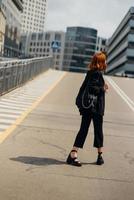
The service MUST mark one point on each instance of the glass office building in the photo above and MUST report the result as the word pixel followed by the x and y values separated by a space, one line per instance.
pixel 12 10
pixel 121 47
pixel 80 45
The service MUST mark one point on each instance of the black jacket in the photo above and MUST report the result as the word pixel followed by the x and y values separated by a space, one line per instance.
pixel 96 81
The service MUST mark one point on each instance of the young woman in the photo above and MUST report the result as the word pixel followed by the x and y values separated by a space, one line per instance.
pixel 98 87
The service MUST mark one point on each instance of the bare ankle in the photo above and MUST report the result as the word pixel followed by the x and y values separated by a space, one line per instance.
pixel 74 152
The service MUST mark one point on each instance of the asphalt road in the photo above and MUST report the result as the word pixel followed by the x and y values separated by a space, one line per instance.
pixel 33 156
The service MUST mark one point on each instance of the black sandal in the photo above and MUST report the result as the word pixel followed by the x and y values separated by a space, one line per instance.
pixel 100 160
pixel 73 161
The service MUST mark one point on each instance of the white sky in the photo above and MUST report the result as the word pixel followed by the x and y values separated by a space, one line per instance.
pixel 104 15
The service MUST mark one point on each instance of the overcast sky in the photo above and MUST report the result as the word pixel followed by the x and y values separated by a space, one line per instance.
pixel 104 15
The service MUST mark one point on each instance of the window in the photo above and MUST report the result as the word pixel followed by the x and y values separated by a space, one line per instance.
pixel 47 36
pixel 57 63
pixel 58 50
pixel 33 37
pixel 40 36
pixel 57 36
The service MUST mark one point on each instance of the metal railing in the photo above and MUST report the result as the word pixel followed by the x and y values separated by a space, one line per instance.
pixel 15 73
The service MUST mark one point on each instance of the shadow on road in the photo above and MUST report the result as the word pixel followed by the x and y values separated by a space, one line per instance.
pixel 91 163
pixel 42 161
pixel 38 161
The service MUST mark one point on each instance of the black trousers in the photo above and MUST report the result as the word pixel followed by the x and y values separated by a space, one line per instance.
pixel 83 131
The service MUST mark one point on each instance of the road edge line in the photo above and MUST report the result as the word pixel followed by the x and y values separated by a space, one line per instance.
pixel 121 93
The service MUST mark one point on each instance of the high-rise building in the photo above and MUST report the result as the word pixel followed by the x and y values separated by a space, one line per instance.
pixel 33 16
pixel 121 47
pixel 80 45
pixel 50 43
pixel 12 10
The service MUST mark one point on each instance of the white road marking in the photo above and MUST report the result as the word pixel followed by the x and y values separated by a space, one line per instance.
pixel 6 120
pixel 15 103
pixel 12 106
pixel 4 126
pixel 122 94
pixel 7 116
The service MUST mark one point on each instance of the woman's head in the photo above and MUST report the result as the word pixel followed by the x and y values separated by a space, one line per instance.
pixel 98 61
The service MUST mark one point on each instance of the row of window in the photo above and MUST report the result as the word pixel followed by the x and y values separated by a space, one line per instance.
pixel 44 50
pixel 39 50
pixel 40 44
pixel 34 5
pixel 47 36
pixel 33 13
pixel 32 16
pixel 30 28
pixel 40 55
pixel 38 23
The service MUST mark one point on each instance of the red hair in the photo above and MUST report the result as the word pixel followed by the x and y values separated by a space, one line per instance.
pixel 98 61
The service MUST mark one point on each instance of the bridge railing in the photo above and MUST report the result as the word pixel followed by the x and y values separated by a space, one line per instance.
pixel 17 72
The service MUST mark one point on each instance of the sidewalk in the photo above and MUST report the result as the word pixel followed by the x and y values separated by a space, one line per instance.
pixel 33 156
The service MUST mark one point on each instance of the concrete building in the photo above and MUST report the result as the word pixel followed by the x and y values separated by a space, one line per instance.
pixel 80 45
pixel 101 44
pixel 33 16
pixel 2 31
pixel 12 10
pixel 121 47
pixel 40 45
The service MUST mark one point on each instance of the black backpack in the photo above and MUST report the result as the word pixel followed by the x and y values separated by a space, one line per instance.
pixel 87 99
pixel 87 102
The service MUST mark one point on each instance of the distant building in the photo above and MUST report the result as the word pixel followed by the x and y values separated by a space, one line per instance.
pixel 33 16
pixel 80 45
pixel 121 47
pixel 50 43
pixel 101 44
pixel 12 10
pixel 2 31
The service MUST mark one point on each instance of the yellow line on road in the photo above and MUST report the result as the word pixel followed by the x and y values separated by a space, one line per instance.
pixel 8 131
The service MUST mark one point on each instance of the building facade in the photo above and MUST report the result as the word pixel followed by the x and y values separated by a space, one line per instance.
pixel 2 31
pixel 34 16
pixel 12 10
pixel 80 45
pixel 121 47
pixel 43 45
pixel 101 44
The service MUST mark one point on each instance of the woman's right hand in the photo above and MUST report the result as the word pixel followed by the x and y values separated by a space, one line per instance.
pixel 106 87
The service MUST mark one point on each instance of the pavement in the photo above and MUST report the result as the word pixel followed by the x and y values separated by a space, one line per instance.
pixel 34 146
